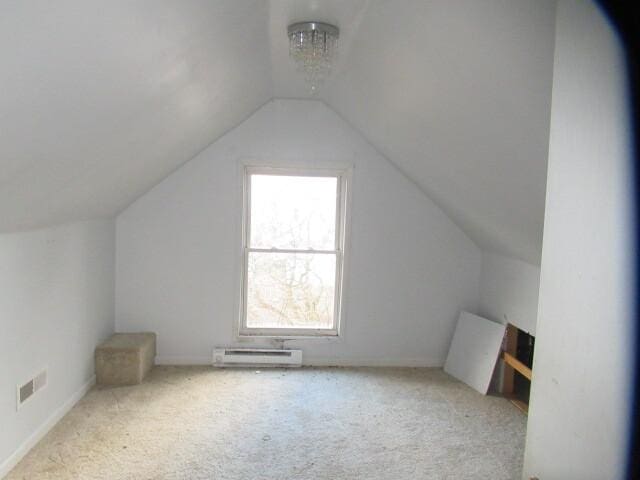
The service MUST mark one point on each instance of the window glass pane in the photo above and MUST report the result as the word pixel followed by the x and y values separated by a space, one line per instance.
pixel 290 290
pixel 291 212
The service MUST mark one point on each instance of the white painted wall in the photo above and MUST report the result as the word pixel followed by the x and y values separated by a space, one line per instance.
pixel 509 291
pixel 580 400
pixel 56 304
pixel 410 269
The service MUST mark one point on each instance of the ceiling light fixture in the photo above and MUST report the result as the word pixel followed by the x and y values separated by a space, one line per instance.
pixel 313 46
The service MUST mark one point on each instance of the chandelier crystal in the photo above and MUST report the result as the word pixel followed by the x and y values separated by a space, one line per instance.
pixel 313 46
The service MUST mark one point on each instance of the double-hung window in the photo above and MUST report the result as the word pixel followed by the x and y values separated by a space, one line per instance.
pixel 294 237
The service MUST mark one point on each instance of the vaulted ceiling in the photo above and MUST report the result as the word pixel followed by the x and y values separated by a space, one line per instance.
pixel 101 100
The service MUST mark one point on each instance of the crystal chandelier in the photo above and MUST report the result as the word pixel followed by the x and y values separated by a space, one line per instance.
pixel 313 45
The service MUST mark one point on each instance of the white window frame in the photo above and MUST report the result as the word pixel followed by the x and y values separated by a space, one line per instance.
pixel 343 176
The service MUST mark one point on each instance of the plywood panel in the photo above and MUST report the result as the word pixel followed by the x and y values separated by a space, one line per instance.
pixel 474 351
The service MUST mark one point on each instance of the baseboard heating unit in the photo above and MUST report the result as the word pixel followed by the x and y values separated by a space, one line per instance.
pixel 249 357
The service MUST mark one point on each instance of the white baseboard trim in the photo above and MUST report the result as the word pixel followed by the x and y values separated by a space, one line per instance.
pixel 372 362
pixel 312 361
pixel 42 430
pixel 183 360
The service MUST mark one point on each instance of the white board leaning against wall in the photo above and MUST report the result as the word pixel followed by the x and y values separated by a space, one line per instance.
pixel 474 351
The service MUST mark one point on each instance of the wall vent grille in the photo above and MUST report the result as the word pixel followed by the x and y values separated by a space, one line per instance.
pixel 28 389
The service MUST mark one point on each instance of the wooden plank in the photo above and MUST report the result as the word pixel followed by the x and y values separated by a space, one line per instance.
pixel 517 365
pixel 474 351
pixel 520 405
pixel 510 346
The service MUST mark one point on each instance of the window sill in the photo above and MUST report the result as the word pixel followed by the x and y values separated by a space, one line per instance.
pixel 332 335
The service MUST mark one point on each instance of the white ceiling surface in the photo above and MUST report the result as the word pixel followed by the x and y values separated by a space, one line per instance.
pixel 457 94
pixel 101 100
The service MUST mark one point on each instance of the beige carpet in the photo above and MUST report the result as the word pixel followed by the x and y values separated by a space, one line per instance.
pixel 203 423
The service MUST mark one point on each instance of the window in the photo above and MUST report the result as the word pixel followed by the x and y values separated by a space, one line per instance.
pixel 294 229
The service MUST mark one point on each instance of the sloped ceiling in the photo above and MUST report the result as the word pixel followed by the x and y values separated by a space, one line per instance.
pixel 101 100
pixel 457 94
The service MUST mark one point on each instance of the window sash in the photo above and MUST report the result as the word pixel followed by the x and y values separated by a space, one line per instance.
pixel 340 219
pixel 295 331
pixel 290 250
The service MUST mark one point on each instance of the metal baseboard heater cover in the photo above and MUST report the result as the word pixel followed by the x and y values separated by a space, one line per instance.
pixel 244 357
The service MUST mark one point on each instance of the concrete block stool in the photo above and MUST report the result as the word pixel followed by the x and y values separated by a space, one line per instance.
pixel 125 358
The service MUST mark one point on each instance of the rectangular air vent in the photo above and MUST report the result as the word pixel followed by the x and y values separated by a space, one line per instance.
pixel 25 391
pixel 31 387
pixel 266 353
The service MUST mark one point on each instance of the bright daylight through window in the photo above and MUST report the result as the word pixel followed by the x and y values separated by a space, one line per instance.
pixel 293 252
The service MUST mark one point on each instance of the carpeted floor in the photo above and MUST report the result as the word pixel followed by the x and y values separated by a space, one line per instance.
pixel 311 423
